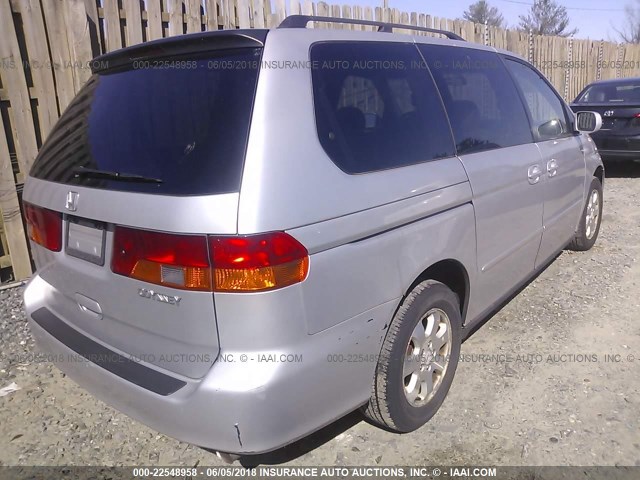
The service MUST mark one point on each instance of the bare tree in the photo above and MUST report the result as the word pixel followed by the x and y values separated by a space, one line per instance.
pixel 630 30
pixel 481 12
pixel 547 17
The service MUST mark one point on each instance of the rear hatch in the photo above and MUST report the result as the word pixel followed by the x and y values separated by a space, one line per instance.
pixel 616 120
pixel 618 103
pixel 145 162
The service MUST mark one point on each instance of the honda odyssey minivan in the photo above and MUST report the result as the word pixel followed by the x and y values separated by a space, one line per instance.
pixel 243 235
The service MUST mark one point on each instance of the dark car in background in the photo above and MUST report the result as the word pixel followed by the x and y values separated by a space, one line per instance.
pixel 618 102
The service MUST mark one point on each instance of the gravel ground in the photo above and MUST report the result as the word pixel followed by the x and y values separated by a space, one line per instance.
pixel 554 400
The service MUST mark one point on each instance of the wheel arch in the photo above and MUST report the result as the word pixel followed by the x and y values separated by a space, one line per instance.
pixel 599 174
pixel 453 274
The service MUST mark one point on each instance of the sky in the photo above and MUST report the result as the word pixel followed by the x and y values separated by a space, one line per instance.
pixel 595 19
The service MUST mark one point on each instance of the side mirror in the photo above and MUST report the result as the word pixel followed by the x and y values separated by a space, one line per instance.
pixel 550 129
pixel 588 122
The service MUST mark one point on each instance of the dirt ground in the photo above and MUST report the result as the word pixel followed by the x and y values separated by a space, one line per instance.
pixel 534 387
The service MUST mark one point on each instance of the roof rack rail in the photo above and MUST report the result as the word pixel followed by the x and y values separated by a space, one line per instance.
pixel 301 21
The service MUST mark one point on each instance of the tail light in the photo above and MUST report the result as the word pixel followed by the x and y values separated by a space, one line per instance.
pixel 257 262
pixel 215 263
pixel 44 226
pixel 180 261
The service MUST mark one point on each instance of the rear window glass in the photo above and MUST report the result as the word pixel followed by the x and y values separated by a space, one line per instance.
pixel 376 106
pixel 182 125
pixel 611 93
pixel 482 101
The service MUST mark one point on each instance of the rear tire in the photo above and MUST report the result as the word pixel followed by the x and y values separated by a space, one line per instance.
pixel 589 226
pixel 418 359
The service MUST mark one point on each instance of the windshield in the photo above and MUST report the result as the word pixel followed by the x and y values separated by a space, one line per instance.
pixel 628 92
pixel 184 122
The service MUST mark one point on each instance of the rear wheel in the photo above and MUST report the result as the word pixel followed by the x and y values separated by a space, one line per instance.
pixel 591 218
pixel 418 359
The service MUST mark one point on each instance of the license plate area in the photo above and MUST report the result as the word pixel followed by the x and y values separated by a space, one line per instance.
pixel 86 239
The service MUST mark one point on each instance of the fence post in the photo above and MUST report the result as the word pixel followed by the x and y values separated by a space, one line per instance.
pixel 599 65
pixel 567 72
pixel 14 83
pixel 10 218
pixel 530 46
pixel 618 60
pixel 486 33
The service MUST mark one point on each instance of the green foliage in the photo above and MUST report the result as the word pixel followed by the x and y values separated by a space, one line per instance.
pixel 482 12
pixel 547 17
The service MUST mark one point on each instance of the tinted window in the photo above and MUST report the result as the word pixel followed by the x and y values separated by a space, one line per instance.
pixel 621 92
pixel 185 125
pixel 547 112
pixel 375 108
pixel 483 104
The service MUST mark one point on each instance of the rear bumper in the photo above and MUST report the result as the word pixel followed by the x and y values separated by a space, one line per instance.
pixel 89 350
pixel 619 154
pixel 617 147
pixel 243 406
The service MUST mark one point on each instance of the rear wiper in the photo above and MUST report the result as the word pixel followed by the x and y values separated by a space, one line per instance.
pixel 119 176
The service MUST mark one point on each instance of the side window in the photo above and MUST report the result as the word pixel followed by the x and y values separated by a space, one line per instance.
pixel 360 93
pixel 548 114
pixel 375 108
pixel 482 101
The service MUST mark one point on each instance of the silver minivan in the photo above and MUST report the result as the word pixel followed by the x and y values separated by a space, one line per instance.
pixel 243 235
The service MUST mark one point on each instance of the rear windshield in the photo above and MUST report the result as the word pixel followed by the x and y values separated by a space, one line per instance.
pixel 611 93
pixel 181 124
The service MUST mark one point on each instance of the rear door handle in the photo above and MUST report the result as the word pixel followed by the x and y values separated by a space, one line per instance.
pixel 552 168
pixel 534 173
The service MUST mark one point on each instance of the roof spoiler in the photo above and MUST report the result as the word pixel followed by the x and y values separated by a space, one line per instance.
pixel 179 45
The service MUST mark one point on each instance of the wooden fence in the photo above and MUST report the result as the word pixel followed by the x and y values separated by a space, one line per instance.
pixel 46 47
